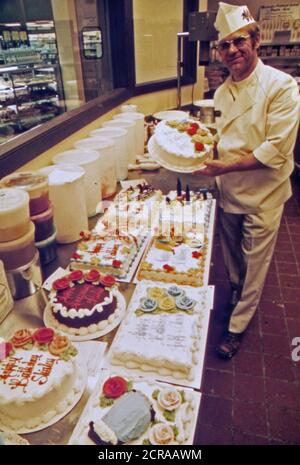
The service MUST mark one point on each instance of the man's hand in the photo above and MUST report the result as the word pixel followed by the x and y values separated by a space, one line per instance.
pixel 214 168
pixel 218 167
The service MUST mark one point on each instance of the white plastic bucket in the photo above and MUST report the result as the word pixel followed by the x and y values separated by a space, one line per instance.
pixel 119 136
pixel 129 107
pixel 130 126
pixel 66 192
pixel 139 130
pixel 106 149
pixel 89 161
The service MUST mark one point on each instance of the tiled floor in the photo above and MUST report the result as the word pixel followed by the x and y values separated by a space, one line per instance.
pixel 255 397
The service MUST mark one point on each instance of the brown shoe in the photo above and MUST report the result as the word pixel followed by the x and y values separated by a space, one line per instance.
pixel 229 345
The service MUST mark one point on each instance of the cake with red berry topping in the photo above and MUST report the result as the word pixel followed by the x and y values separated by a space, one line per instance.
pixel 39 378
pixel 109 252
pixel 178 257
pixel 184 143
pixel 83 303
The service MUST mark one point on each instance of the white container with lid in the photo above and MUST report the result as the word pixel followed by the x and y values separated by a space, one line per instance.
pixel 89 161
pixel 14 213
pixel 130 126
pixel 128 107
pixel 106 149
pixel 139 130
pixel 119 136
pixel 66 190
pixel 6 300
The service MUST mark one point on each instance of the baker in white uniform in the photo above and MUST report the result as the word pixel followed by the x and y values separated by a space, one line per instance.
pixel 257 130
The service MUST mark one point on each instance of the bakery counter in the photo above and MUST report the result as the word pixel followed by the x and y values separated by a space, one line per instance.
pixel 28 312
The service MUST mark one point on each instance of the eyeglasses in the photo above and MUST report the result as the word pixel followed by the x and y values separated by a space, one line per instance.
pixel 238 42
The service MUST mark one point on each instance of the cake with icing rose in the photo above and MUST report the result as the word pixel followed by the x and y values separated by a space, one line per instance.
pixel 161 332
pixel 184 143
pixel 132 411
pixel 39 378
pixel 83 303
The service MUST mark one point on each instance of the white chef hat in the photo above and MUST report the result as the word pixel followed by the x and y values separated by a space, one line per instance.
pixel 231 18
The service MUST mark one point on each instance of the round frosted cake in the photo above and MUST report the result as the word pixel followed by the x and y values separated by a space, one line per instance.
pixel 38 378
pixel 184 143
pixel 83 303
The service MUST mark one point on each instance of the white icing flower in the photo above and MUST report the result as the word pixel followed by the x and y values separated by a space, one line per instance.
pixel 161 434
pixel 169 399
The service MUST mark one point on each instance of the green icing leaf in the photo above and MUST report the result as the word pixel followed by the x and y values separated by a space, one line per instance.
pixel 28 346
pixel 105 402
pixel 44 347
pixel 175 430
pixel 146 442
pixel 169 416
pixel 129 386
pixel 155 394
pixel 182 394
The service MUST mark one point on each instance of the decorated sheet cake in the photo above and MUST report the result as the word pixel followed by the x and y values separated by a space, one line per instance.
pixel 164 332
pixel 180 252
pixel 131 410
pixel 108 251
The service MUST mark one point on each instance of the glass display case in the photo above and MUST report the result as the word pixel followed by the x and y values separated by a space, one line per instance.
pixel 30 94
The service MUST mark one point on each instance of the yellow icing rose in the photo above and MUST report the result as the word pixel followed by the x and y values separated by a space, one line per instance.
pixel 156 292
pixel 161 434
pixel 59 345
pixel 169 399
pixel 167 304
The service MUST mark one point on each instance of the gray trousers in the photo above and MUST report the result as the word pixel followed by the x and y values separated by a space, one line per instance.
pixel 248 242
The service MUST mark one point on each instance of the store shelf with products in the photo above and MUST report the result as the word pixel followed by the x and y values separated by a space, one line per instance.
pixel 29 95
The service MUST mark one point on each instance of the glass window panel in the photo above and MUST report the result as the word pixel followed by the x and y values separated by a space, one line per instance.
pixel 156 25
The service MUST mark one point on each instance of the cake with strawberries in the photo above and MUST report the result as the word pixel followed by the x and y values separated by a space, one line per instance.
pixel 83 303
pixel 184 143
pixel 110 252
pixel 39 379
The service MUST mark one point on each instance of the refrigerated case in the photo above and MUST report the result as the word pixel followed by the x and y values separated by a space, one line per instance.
pixel 30 94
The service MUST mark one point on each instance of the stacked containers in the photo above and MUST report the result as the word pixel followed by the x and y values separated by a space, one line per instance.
pixel 41 211
pixel 118 135
pixel 89 161
pixel 17 247
pixel 66 189
pixel 139 118
pixel 106 150
pixel 130 128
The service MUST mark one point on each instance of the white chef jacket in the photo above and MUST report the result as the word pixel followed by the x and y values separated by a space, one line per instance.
pixel 259 115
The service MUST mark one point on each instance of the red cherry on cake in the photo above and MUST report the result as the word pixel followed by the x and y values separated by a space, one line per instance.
pixel 76 275
pixel 168 268
pixel 61 284
pixel 107 280
pixel 6 349
pixel 199 147
pixel 114 387
pixel 196 254
pixel 192 131
pixel 76 256
pixel 194 125
pixel 92 276
pixel 86 235
pixel 116 263
pixel 43 335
